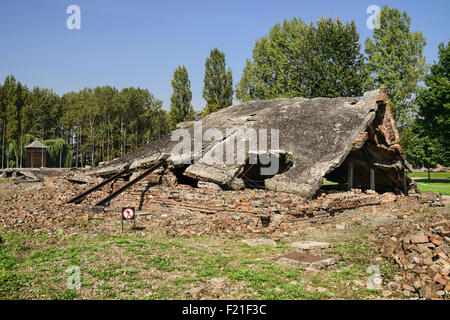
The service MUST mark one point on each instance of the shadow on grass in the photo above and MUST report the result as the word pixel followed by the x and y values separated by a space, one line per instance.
pixel 434 185
pixel 434 181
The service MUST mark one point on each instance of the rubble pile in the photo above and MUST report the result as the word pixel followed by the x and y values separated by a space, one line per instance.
pixel 29 175
pixel 345 140
pixel 160 192
pixel 253 201
pixel 189 211
pixel 184 210
pixel 42 207
pixel 422 250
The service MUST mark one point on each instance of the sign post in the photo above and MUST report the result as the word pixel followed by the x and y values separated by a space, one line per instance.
pixel 128 213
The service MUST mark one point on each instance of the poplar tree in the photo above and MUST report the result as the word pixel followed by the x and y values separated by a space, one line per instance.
pixel 180 101
pixel 14 98
pixel 395 61
pixel 218 83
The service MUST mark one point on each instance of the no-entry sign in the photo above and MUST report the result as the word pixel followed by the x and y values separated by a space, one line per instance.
pixel 127 213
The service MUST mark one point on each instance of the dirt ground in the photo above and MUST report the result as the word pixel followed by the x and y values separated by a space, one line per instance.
pixel 44 262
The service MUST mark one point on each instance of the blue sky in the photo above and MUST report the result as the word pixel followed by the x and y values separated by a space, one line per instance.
pixel 140 43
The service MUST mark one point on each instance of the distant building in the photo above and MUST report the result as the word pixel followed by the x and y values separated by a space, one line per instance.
pixel 36 155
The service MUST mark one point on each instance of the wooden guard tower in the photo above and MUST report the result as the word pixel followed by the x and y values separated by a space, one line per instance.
pixel 36 155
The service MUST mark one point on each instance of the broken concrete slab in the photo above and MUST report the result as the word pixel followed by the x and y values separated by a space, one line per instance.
pixel 320 264
pixel 209 185
pixel 288 262
pixel 30 175
pixel 306 260
pixel 310 245
pixel 320 136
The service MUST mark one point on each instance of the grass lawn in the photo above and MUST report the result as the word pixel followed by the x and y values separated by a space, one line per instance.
pixel 328 183
pixel 131 266
pixel 441 186
pixel 3 181
pixel 432 175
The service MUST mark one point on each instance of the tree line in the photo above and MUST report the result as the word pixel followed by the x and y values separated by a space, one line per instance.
pixel 295 59
pixel 80 128
pixel 325 59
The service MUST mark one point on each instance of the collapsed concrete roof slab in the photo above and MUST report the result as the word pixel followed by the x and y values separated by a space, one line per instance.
pixel 318 134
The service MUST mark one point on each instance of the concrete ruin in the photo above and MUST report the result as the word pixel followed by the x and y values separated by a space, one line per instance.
pixel 30 175
pixel 351 141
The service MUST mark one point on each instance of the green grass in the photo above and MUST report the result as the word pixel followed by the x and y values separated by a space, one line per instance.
pixel 440 186
pixel 432 175
pixel 3 181
pixel 11 281
pixel 127 266
pixel 328 183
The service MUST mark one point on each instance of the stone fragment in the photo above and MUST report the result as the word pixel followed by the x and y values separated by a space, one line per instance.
pixel 324 263
pixel 447 287
pixel 438 278
pixel 306 260
pixel 419 237
pixel 437 241
pixel 310 245
pixel 406 286
pixel 209 185
pixel 386 293
pixel 422 253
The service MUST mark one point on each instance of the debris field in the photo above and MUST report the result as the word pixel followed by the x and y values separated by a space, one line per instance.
pixel 345 140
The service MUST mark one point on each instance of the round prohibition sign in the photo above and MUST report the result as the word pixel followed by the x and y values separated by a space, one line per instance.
pixel 128 214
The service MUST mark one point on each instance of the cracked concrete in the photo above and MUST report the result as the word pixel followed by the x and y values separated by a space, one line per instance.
pixel 320 135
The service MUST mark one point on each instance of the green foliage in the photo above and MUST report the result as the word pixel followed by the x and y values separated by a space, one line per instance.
pixel 180 101
pixel 218 83
pixel 413 145
pixel 426 141
pixel 42 112
pixel 434 105
pixel 421 150
pixel 297 59
pixel 15 151
pixel 437 175
pixel 55 147
pixel 14 96
pixel 395 61
pixel 96 124
pixel 12 154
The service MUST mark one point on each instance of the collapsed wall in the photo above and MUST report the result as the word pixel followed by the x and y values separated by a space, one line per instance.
pixel 200 211
pixel 316 138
